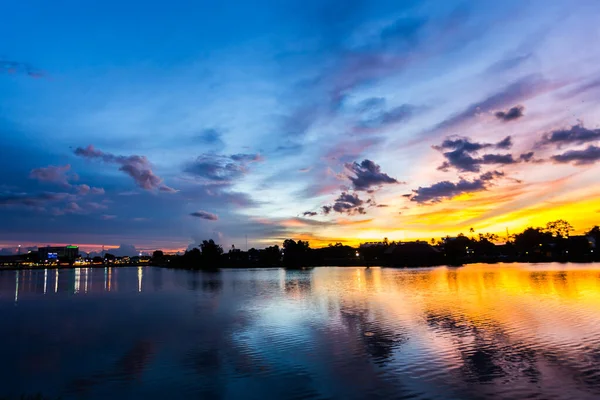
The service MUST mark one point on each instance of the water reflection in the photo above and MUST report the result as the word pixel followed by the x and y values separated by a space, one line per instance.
pixel 505 331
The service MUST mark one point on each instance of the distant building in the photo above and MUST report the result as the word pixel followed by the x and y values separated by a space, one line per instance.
pixel 56 253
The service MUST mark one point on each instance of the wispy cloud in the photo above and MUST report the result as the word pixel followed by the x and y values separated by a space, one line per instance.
pixel 137 167
pixel 19 67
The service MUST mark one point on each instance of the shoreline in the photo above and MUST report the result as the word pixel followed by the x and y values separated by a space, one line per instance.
pixel 256 267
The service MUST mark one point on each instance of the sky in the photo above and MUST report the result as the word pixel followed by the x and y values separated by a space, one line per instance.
pixel 159 124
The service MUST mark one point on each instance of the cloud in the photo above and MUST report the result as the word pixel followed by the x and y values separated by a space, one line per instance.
pixel 586 87
pixel 447 190
pixel 579 157
pixel 85 189
pixel 137 167
pixel 346 203
pixel 33 200
pixel 464 154
pixel 108 217
pixel 92 205
pixel 526 157
pixel 577 134
pixel 205 215
pixel 69 208
pixel 392 116
pixel 309 213
pixel 512 114
pixel 523 89
pixel 221 168
pixel 18 67
pixel 53 174
pixel 367 174
pixel 508 63
pixel 210 137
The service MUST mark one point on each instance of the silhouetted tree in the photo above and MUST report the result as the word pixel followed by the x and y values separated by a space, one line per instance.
pixel 559 228
pixel 532 240
pixel 295 254
pixel 158 254
pixel 595 233
pixel 211 253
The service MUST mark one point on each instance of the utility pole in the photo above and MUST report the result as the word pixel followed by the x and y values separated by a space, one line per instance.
pixel 507 235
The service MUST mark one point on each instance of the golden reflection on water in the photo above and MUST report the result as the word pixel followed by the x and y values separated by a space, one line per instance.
pixel 552 302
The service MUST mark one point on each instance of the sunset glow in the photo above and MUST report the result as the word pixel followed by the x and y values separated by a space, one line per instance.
pixel 321 121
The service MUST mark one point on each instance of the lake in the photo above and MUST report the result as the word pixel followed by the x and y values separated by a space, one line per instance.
pixel 507 331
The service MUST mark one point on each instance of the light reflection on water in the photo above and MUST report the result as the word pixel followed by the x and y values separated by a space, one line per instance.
pixel 507 331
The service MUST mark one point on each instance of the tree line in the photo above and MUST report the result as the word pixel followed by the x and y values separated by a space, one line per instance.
pixel 552 242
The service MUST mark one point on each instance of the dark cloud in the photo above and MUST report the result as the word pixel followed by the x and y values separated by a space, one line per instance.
pixel 205 215
pixel 309 213
pixel 464 154
pixel 346 203
pixel 33 200
pixel 505 143
pixel 579 157
pixel 446 190
pixel 503 159
pixel 577 134
pixel 523 89
pixel 247 158
pixel 526 157
pixel 512 114
pixel 137 167
pixel 18 67
pixel 221 168
pixel 367 174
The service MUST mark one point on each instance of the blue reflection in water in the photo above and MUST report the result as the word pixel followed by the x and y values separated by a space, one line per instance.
pixel 506 331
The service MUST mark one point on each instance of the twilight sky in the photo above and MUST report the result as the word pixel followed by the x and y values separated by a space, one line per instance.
pixel 159 124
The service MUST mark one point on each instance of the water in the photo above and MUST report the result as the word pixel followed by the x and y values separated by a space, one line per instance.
pixel 503 331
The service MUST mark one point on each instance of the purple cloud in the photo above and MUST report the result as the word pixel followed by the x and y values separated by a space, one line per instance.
pixel 447 190
pixel 464 154
pixel 523 89
pixel 54 174
pixel 579 157
pixel 367 174
pixel 221 168
pixel 137 167
pixel 577 134
pixel 512 114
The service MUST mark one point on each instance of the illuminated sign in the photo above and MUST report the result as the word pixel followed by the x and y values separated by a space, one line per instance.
pixel 53 256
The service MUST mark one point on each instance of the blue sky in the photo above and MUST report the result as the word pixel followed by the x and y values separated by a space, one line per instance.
pixel 158 124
